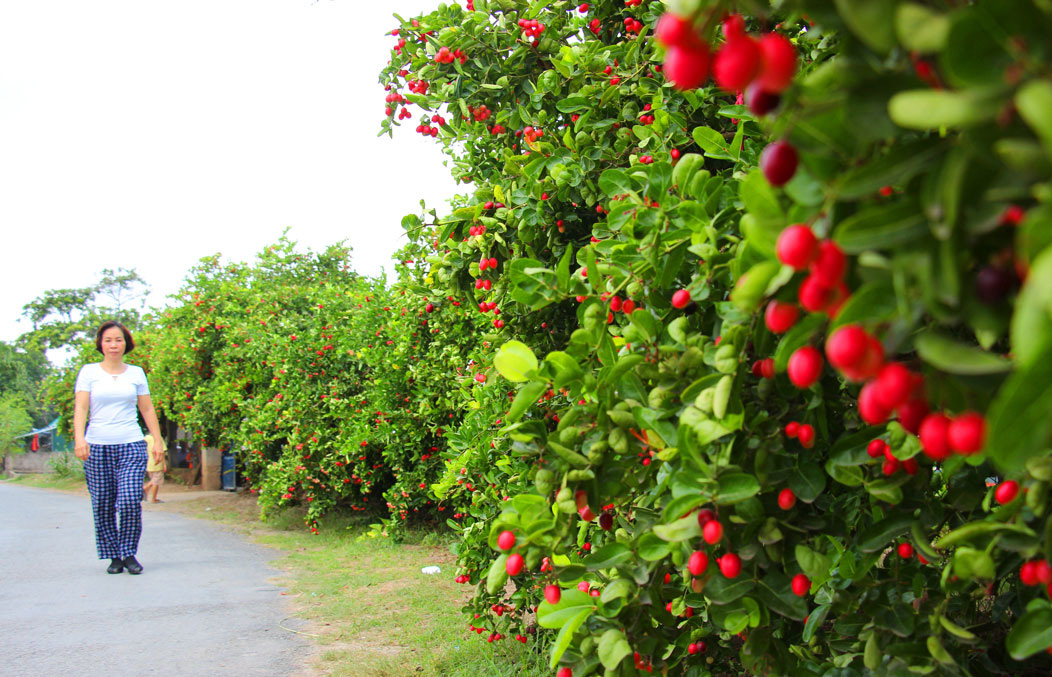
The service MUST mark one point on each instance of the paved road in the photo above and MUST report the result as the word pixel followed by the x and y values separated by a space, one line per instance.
pixel 203 606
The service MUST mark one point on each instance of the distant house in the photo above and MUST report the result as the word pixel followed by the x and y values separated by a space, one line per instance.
pixel 41 447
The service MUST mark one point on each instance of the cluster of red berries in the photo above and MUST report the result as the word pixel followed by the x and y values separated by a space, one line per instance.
pixel 464 578
pixel 804 432
pixel 427 130
pixel 632 3
pixel 594 26
pixel 481 113
pixel 484 263
pixel 530 134
pixel 879 449
pixel 531 28
pixel 446 56
pixel 477 230
pixel 394 97
pixel 632 26
pixel 418 86
pixel 619 305
pixel 646 159
pixel 497 129
pixel 483 284
pixel 766 64
pixel 696 648
pixel 404 113
pixel 487 306
pixel 823 290
pixel 1036 572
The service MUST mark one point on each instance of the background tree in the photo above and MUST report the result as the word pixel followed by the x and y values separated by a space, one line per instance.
pixel 14 421
pixel 22 373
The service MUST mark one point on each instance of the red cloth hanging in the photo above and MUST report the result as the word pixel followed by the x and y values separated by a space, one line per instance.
pixel 35 444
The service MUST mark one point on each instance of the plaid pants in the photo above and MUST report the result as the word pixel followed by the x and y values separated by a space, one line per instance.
pixel 114 473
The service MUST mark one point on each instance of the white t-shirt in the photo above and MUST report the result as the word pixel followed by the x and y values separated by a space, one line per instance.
pixel 113 413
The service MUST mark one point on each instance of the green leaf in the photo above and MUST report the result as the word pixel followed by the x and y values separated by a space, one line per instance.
pixel 881 227
pixel 1034 101
pixel 872 302
pixel 735 488
pixel 885 490
pixel 930 109
pixel 967 532
pixel 722 590
pixel 814 564
pixel 921 29
pixel 613 648
pixel 766 218
pixel 681 530
pixel 872 22
pixel 609 555
pixel 712 142
pixel 797 337
pixel 776 592
pixel 1032 320
pixel 896 167
pixel 1031 634
pixel 652 548
pixel 953 357
pixel 808 482
pixel 498 574
pixel 752 286
pixel 618 588
pixel 616 182
pixel 524 399
pixel 815 621
pixel 971 564
pixel 572 603
pixel 565 636
pixel 881 534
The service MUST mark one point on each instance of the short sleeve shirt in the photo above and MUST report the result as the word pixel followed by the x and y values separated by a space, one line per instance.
pixel 113 411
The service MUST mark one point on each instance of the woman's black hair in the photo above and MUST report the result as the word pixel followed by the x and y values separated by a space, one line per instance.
pixel 129 344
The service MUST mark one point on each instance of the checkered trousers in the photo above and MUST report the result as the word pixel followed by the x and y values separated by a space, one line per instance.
pixel 114 473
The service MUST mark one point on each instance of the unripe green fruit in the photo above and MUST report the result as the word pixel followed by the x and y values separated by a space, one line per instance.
pixel 704 400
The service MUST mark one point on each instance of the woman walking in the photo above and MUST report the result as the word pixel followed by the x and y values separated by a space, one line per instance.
pixel 113 448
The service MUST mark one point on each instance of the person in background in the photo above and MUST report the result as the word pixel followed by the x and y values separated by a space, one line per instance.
pixel 111 444
pixel 156 464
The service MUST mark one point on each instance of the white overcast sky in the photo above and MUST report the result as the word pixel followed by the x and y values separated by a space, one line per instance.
pixel 147 134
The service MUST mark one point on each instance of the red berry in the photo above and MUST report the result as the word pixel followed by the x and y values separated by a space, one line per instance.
pixel 792 429
pixel 676 31
pixel 767 368
pixel 552 594
pixel 869 407
pixel 1006 492
pixel 786 499
pixel 814 297
pixel 797 246
pixel 687 67
pixel 581 496
pixel 846 346
pixel 778 62
pixel 1028 573
pixel 778 162
pixel 628 306
pixel 780 316
pixel 429 308
pixel 730 565
pixel 912 413
pixel 698 563
pixel 876 448
pixel 910 466
pixel 712 532
pixel 506 540
pixel 805 366
pixel 514 564
pixel 967 433
pixel 905 550
pixel 692 648
pixel 615 304
pixel 705 516
pixel 806 435
pixel 680 298
pixel 734 26
pixel 829 263
pixel 606 521
pixel 564 672
pixel 894 383
pixel 934 436
pixel 760 101
pixel 801 585
pixel 890 466
pixel 736 63
pixel 1044 571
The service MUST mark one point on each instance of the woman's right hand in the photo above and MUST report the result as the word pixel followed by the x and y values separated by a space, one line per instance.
pixel 81 450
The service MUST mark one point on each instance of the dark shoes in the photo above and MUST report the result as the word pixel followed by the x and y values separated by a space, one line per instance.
pixel 116 566
pixel 132 565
